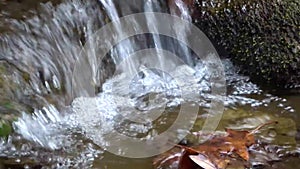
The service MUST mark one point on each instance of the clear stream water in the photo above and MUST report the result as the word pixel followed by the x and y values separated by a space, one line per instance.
pixel 40 45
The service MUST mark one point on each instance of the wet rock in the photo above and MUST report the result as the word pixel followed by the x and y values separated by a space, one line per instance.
pixel 262 37
pixel 20 9
pixel 16 95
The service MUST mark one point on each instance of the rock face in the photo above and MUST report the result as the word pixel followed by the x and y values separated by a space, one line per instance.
pixel 262 37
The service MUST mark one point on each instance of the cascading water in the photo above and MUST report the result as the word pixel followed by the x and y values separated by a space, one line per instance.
pixel 63 131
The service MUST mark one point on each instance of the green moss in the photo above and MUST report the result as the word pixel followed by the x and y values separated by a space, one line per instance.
pixel 262 37
pixel 8 105
pixel 5 128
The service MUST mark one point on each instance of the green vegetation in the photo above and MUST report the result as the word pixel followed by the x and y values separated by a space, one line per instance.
pixel 12 88
pixel 5 128
pixel 262 37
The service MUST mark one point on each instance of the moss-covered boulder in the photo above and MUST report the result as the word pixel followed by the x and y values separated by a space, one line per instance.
pixel 262 37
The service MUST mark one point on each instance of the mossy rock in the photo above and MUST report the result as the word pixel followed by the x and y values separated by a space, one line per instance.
pixel 262 37
pixel 17 92
pixel 5 128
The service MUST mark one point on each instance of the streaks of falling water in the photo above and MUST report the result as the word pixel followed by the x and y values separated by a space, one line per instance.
pixel 121 102
pixel 47 45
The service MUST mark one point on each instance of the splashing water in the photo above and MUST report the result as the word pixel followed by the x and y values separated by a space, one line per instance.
pixel 46 47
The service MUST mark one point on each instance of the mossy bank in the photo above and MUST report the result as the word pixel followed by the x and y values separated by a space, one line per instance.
pixel 262 37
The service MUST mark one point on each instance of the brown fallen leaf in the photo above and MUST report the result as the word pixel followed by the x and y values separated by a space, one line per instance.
pixel 185 162
pixel 218 152
pixel 202 161
pixel 219 161
pixel 236 142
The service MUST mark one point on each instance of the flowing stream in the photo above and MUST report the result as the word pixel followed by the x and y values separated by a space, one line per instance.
pixel 60 125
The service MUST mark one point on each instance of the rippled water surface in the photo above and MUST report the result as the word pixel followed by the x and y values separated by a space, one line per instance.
pixel 56 128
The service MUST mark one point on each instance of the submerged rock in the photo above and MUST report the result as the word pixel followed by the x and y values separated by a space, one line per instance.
pixel 262 37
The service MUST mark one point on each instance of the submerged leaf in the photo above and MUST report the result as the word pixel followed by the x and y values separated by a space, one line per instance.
pixel 218 152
